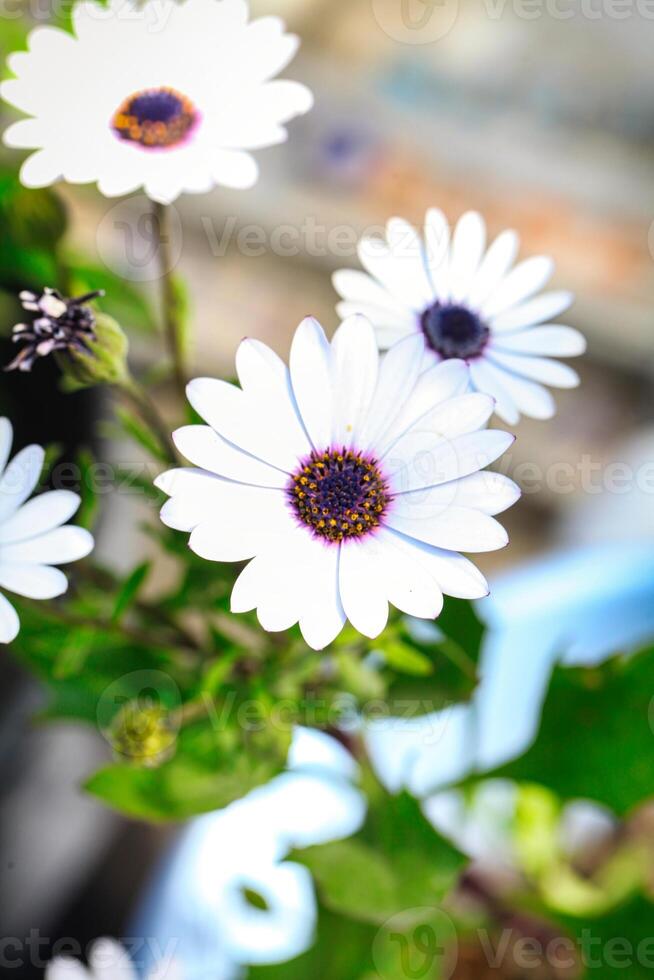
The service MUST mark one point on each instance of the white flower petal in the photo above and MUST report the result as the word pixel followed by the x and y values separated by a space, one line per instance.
pixel 456 576
pixel 9 621
pixel 108 960
pixel 31 580
pixel 323 616
pixel 403 576
pixel 267 427
pixel 490 379
pixel 394 270
pixel 355 364
pixel 535 311
pixel 405 243
pixel 454 417
pixel 437 249
pixel 521 283
pixel 363 290
pixel 243 520
pixel 390 327
pixel 58 547
pixel 454 529
pixel 40 169
pixel 19 479
pixel 444 380
pixel 468 245
pixel 398 375
pixel 423 459
pixel 66 968
pixel 537 369
pixel 363 599
pixel 6 439
pixel 203 447
pixel 487 491
pixel 41 514
pixel 529 397
pixel 551 341
pixel 312 380
pixel 494 266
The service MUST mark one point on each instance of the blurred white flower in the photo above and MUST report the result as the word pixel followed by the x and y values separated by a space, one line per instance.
pixel 351 483
pixel 168 97
pixel 225 860
pixel 465 302
pixel 32 539
pixel 108 960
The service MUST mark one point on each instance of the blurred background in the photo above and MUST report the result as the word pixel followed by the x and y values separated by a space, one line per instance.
pixel 540 116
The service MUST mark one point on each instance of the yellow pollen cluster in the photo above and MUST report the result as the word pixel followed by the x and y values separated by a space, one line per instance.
pixel 339 494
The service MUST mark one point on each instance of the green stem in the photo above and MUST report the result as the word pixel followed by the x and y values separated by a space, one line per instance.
pixel 172 326
pixel 457 655
pixel 144 405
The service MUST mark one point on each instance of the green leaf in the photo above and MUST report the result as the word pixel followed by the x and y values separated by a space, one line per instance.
pixel 137 430
pixel 596 740
pixel 406 659
pixel 353 879
pixel 130 589
pixel 617 945
pixel 397 863
pixel 205 773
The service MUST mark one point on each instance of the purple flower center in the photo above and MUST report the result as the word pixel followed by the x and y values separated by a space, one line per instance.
pixel 454 331
pixel 157 117
pixel 339 494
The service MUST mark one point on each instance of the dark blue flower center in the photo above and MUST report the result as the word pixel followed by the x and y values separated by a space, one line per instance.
pixel 157 117
pixel 454 331
pixel 339 494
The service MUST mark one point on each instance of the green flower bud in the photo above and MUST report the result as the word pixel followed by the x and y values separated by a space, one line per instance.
pixel 105 360
pixel 143 736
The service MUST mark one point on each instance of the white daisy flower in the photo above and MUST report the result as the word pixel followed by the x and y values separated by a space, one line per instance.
pixel 108 960
pixel 466 302
pixel 350 483
pixel 167 96
pixel 32 539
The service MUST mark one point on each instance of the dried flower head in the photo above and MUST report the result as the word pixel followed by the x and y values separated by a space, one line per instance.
pixel 59 324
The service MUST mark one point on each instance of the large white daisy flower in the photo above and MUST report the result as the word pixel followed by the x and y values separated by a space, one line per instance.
pixel 350 483
pixel 108 960
pixel 31 537
pixel 466 302
pixel 167 96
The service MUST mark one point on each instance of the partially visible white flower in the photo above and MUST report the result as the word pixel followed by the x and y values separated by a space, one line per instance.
pixel 225 858
pixel 108 960
pixel 351 483
pixel 32 539
pixel 466 302
pixel 170 97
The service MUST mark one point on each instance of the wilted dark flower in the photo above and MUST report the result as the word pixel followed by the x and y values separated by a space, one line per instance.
pixel 59 325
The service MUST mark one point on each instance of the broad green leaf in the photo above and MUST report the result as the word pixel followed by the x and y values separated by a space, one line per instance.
pixel 207 772
pixel 596 739
pixel 397 862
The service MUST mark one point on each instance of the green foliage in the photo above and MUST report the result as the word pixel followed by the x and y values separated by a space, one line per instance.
pixel 33 223
pixel 122 300
pixel 596 739
pixel 207 771
pixel 396 863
